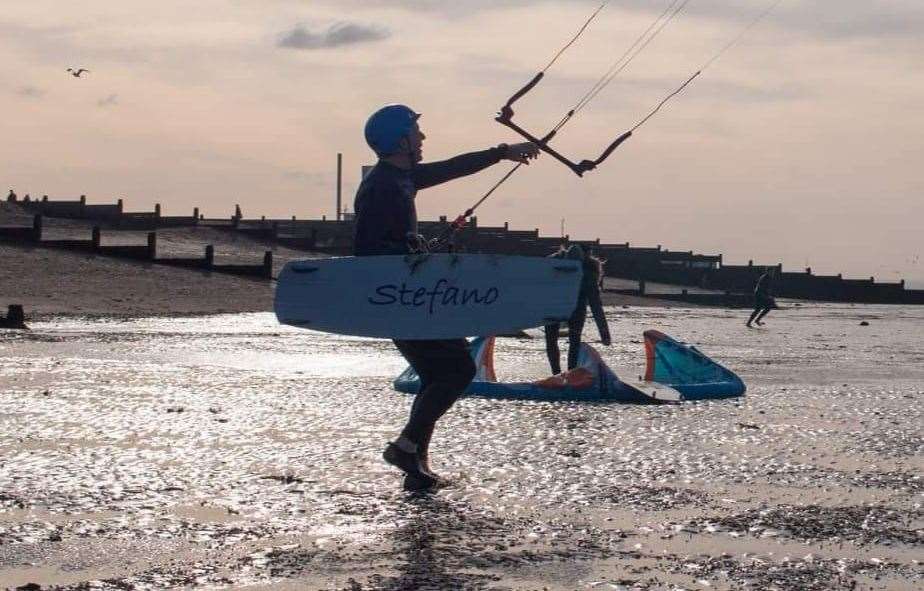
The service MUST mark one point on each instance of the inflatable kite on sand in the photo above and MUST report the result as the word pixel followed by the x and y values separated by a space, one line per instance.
pixel 675 372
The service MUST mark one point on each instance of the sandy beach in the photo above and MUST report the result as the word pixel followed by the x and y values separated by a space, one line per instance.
pixel 231 452
pixel 49 281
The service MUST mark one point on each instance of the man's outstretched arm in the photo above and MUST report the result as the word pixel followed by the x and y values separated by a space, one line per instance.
pixel 435 173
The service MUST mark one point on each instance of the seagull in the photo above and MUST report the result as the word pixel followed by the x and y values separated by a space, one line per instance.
pixel 77 73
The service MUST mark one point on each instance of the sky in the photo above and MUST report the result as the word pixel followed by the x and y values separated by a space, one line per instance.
pixel 803 144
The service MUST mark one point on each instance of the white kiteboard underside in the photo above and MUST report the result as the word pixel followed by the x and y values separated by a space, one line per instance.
pixel 653 390
pixel 430 296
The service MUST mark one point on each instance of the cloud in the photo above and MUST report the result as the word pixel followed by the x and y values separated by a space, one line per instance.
pixel 30 92
pixel 337 35
pixel 897 19
pixel 109 101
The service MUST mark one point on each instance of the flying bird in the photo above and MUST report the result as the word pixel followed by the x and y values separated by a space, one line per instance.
pixel 77 73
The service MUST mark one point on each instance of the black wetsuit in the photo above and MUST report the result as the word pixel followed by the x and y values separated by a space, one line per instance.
pixel 385 216
pixel 763 298
pixel 588 295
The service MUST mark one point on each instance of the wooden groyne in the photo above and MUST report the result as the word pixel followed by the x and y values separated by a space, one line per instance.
pixel 335 237
pixel 112 213
pixel 15 318
pixel 33 236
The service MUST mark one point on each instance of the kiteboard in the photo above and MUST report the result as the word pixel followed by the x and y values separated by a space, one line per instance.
pixel 427 296
pixel 653 391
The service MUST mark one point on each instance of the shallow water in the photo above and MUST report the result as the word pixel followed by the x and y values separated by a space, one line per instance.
pixel 228 451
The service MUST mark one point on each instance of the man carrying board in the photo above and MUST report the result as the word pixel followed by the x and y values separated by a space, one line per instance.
pixel 386 223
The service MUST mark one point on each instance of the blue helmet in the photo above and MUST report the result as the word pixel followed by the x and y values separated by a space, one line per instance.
pixel 387 126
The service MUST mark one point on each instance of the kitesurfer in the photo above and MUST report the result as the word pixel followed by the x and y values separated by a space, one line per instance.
pixel 386 223
pixel 763 297
pixel 589 294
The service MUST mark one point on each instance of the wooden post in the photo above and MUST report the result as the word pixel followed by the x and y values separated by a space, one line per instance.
pixel 209 256
pixel 339 182
pixel 121 205
pixel 268 264
pixel 195 214
pixel 97 238
pixel 152 245
pixel 15 317
pixel 37 228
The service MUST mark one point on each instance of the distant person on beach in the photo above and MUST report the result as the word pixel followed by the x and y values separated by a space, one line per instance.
pixel 386 223
pixel 11 196
pixel 237 212
pixel 591 283
pixel 763 298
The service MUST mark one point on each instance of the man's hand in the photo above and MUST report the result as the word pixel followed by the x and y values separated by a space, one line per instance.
pixel 521 153
pixel 417 243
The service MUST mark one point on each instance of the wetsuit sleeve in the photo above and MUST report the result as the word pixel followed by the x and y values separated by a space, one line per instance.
pixel 435 173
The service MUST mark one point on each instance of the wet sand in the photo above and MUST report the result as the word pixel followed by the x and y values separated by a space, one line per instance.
pixel 230 452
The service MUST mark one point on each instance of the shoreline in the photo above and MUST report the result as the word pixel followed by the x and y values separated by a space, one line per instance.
pixel 49 282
